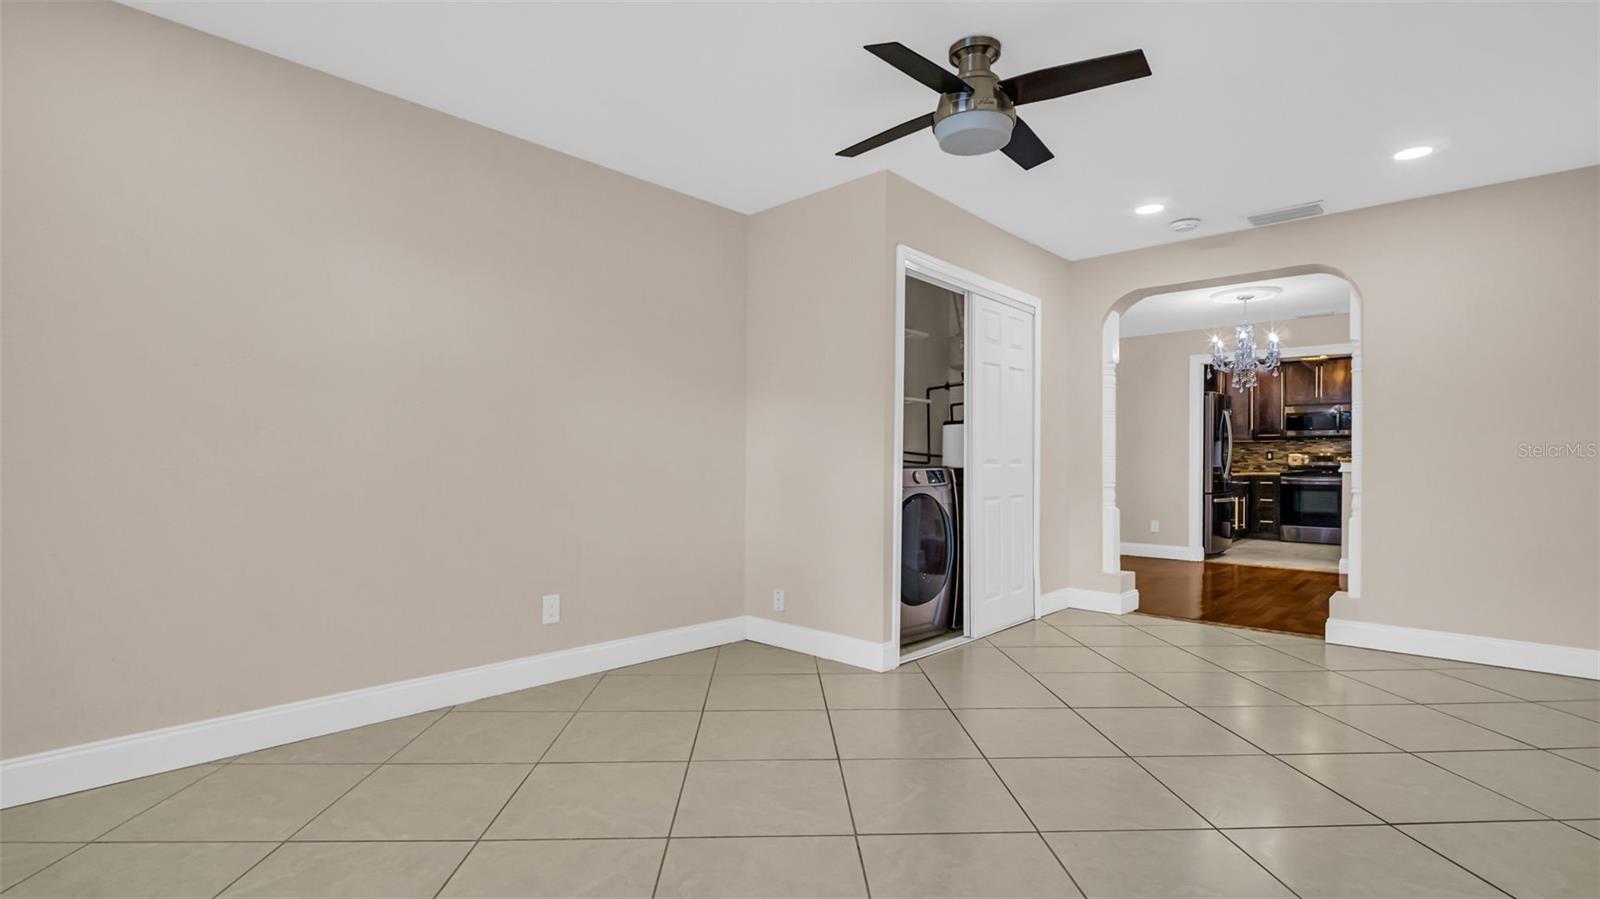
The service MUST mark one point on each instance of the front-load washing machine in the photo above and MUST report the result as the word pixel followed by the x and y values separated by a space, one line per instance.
pixel 930 552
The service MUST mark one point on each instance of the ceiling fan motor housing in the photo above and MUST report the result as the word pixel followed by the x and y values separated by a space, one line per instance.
pixel 975 113
pixel 969 123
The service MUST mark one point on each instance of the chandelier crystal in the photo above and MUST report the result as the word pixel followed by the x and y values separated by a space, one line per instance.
pixel 1243 365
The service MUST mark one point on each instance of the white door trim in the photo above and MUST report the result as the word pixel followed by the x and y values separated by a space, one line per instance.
pixel 909 261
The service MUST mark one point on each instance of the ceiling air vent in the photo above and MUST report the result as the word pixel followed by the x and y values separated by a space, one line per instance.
pixel 1287 214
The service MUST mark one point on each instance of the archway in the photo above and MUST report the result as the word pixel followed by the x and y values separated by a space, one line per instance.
pixel 1112 532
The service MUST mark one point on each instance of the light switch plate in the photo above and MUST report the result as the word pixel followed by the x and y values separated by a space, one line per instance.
pixel 552 608
pixel 1155 526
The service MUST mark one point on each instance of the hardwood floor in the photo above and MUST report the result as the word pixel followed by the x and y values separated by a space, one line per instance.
pixel 1279 599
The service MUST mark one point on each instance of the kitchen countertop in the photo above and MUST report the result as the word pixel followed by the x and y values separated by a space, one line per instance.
pixel 1256 473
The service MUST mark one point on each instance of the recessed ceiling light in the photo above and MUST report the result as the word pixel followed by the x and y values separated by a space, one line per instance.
pixel 1411 153
pixel 1149 208
pixel 1180 225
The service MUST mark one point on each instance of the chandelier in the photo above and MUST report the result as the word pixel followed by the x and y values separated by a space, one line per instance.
pixel 1243 365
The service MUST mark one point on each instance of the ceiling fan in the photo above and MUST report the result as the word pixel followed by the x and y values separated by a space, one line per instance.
pixel 976 112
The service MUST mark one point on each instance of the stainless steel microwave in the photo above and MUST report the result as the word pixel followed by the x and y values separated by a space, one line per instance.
pixel 1316 421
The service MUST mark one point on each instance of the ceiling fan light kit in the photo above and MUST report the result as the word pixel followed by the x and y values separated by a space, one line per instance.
pixel 977 113
pixel 973 132
pixel 980 120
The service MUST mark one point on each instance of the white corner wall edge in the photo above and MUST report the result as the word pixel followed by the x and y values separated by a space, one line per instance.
pixel 1089 600
pixel 823 644
pixel 1546 657
pixel 73 768
pixel 1163 551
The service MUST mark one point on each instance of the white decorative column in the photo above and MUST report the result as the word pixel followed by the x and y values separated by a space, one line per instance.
pixel 1357 431
pixel 1110 517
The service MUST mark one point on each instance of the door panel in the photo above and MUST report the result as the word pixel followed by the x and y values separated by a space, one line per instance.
pixel 1001 481
pixel 993 567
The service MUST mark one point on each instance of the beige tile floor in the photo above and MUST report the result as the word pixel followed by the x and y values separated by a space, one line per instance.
pixel 1281 554
pixel 1084 754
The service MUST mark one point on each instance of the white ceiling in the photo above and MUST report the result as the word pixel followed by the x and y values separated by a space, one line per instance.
pixel 1253 106
pixel 1299 296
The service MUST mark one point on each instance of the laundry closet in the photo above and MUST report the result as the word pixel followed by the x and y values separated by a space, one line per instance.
pixel 967 505
pixel 934 441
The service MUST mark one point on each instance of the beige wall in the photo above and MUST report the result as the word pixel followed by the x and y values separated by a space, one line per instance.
pixel 821 392
pixel 1481 306
pixel 1153 423
pixel 1069 519
pixel 816 435
pixel 308 389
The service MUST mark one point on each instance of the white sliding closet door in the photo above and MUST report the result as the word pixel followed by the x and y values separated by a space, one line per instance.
pixel 1000 470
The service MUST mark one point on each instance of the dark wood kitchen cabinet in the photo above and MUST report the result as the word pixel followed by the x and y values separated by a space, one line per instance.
pixel 1299 380
pixel 1315 382
pixel 1241 408
pixel 1256 412
pixel 1336 380
pixel 1264 494
pixel 1266 405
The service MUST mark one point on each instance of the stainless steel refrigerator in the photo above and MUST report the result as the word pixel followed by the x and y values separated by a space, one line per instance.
pixel 1219 507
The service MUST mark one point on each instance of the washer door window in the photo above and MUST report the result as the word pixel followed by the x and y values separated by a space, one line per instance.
pixel 927 544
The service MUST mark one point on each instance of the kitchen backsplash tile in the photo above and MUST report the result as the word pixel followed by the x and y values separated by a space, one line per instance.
pixel 1253 456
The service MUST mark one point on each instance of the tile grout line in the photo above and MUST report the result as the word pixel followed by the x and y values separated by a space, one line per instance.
pixel 997 776
pixel 672 824
pixel 841 833
pixel 1282 758
pixel 1158 780
pixel 1219 831
pixel 844 783
pixel 513 794
pixel 93 840
pixel 1364 809
pixel 361 780
pixel 1400 751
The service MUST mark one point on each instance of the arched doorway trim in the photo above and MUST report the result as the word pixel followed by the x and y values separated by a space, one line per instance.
pixel 1111 517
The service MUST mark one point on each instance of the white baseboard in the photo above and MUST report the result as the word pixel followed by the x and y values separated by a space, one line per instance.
pixel 1090 600
pixel 1163 551
pixel 1344 566
pixel 1052 601
pixel 1546 657
pixel 823 644
pixel 42 775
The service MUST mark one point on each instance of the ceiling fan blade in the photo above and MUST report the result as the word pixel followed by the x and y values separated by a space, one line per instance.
pixel 1075 77
pixel 892 134
pixel 1026 149
pixel 919 67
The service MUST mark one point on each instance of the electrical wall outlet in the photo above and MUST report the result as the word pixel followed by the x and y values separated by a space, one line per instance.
pixel 1269 455
pixel 777 600
pixel 1155 526
pixel 552 609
